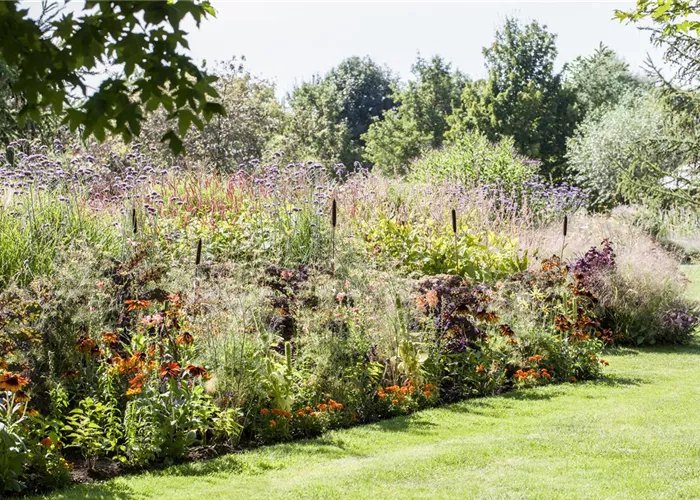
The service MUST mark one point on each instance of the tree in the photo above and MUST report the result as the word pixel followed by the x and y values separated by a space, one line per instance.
pixel 253 117
pixel 331 113
pixel 635 151
pixel 600 80
pixel 430 98
pixel 390 144
pixel 675 27
pixel 421 119
pixel 523 97
pixel 142 40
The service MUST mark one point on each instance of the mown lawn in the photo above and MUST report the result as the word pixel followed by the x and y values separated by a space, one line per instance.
pixel 635 434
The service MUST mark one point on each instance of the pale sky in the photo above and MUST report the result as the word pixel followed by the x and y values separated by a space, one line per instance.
pixel 288 42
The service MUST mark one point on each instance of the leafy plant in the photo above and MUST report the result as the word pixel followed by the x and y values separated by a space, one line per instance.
pixel 94 428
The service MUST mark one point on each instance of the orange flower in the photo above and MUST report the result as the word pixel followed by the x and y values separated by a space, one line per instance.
pixel 273 423
pixel 110 338
pixel 171 369
pixel 394 401
pixel 308 408
pixel 480 368
pixel 22 397
pixel 573 379
pixel 427 394
pixel 381 393
pixel 47 442
pixel 300 413
pixel 545 373
pixel 604 362
pixel 85 344
pixel 136 304
pixel 431 298
pixel 32 413
pixel 322 407
pixel 12 382
pixel 71 375
pixel 489 317
pixel 264 411
pixel 185 338
pixel 506 330
pixel 3 364
pixel 535 359
pixel 313 414
pixel 137 381
pixel 197 371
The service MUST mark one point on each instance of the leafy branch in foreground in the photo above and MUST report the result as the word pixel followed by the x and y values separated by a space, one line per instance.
pixel 144 40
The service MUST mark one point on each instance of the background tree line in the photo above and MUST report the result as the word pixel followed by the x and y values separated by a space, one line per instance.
pixel 596 123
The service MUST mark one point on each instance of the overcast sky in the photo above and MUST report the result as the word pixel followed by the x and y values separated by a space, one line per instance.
pixel 288 42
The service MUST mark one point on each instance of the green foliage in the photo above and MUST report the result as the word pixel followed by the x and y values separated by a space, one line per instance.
pixel 473 160
pixel 330 113
pixel 393 142
pixel 675 28
pixel 421 118
pixel 634 152
pixel 428 249
pixel 163 424
pixel 601 80
pixel 94 428
pixel 523 97
pixel 35 232
pixel 50 62
pixel 13 450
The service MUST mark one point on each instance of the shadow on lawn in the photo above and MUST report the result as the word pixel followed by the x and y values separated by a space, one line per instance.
pixel 415 424
pixel 96 491
pixel 693 349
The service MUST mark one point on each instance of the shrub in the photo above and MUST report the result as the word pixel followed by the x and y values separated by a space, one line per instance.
pixel 472 159
pixel 642 308
pixel 637 283
pixel 423 248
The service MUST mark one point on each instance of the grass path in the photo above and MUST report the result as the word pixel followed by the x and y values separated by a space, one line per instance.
pixel 635 434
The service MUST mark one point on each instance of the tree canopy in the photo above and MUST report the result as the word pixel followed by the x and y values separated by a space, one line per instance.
pixel 421 119
pixel 600 80
pixel 331 113
pixel 523 97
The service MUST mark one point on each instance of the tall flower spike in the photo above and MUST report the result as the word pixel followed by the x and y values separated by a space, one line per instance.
pixel 198 258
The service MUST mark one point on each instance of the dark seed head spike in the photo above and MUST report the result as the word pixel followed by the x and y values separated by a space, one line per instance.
pixel 134 223
pixel 198 259
pixel 334 214
pixel 454 221
pixel 566 224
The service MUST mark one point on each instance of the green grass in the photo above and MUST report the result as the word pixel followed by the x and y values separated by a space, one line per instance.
pixel 631 435
pixel 693 274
